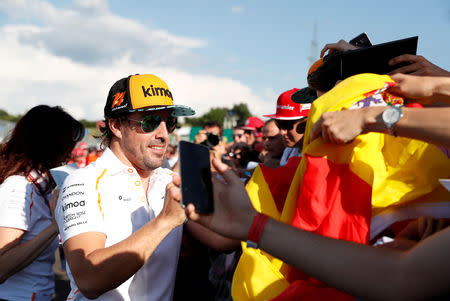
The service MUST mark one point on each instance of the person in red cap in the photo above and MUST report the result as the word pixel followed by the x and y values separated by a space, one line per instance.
pixel 291 114
pixel 252 129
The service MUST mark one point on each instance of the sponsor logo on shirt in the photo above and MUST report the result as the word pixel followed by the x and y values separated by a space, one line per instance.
pixel 70 186
pixel 72 205
pixel 73 194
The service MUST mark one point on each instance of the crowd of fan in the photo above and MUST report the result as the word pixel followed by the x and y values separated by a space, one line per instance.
pixel 211 248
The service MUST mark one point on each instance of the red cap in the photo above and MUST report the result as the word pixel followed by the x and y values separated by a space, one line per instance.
pixel 253 123
pixel 77 152
pixel 83 145
pixel 288 109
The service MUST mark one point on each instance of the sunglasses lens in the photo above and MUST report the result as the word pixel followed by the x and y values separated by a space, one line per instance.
pixel 150 123
pixel 301 127
pixel 171 123
pixel 285 124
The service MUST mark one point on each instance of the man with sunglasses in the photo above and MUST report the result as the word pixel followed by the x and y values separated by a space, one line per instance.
pixel 239 134
pixel 290 117
pixel 119 218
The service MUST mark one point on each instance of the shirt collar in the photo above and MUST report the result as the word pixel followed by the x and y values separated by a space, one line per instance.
pixel 114 166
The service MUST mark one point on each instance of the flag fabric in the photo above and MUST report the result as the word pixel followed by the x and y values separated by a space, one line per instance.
pixel 338 190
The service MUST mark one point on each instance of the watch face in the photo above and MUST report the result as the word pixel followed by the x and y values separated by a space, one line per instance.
pixel 391 115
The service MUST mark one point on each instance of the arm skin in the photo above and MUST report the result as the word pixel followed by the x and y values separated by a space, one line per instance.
pixel 418 65
pixel 212 239
pixel 97 269
pixel 429 124
pixel 341 45
pixel 360 270
pixel 422 89
pixel 15 256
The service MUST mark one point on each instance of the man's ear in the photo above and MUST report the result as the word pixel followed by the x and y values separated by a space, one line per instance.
pixel 116 127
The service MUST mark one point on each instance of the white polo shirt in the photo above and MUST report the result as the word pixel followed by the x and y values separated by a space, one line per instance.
pixel 107 196
pixel 22 207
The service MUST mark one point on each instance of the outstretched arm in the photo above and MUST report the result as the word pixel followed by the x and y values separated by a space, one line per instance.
pixel 418 65
pixel 431 124
pixel 360 270
pixel 427 124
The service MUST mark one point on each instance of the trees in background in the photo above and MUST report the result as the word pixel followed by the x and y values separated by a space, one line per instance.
pixel 240 110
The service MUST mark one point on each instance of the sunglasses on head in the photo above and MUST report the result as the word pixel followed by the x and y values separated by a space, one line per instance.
pixel 289 125
pixel 151 122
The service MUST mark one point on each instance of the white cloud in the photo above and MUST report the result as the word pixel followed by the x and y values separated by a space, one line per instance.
pixel 37 68
pixel 237 9
pixel 90 33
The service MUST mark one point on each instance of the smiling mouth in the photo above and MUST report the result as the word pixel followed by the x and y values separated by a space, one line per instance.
pixel 157 147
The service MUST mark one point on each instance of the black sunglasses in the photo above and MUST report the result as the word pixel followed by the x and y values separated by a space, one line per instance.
pixel 289 125
pixel 152 122
pixel 238 135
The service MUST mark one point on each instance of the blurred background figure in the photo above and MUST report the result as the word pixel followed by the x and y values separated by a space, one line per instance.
pixel 28 231
pixel 238 135
pixel 93 154
pixel 211 136
pixel 252 131
pixel 172 155
pixel 240 155
pixel 80 155
pixel 273 145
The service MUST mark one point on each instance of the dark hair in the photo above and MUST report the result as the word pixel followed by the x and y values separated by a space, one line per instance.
pixel 245 152
pixel 213 123
pixel 42 139
pixel 325 77
pixel 106 134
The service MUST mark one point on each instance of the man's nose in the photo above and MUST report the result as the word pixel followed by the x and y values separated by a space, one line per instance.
pixel 162 130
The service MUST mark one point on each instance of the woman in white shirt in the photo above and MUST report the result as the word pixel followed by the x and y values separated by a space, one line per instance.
pixel 42 139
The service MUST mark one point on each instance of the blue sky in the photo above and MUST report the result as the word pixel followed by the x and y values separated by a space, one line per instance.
pixel 211 53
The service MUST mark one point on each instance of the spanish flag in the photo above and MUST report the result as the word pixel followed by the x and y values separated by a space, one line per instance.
pixel 338 190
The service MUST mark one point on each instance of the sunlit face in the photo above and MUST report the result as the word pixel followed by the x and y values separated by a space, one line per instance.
pixel 145 151
pixel 293 137
pixel 273 142
pixel 239 136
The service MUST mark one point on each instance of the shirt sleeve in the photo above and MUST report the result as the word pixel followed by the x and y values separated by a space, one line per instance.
pixel 78 209
pixel 15 203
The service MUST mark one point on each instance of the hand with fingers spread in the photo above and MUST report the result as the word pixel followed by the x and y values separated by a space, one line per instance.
pixel 418 65
pixel 233 211
pixel 335 47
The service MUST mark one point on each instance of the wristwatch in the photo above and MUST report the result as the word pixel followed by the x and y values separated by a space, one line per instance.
pixel 390 117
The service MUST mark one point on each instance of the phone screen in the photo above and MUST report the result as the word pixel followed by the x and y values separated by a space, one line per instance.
pixel 195 171
pixel 361 41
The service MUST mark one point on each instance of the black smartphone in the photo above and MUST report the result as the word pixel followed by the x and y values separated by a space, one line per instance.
pixel 361 41
pixel 195 171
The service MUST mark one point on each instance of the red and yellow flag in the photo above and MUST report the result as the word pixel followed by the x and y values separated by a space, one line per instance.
pixel 336 191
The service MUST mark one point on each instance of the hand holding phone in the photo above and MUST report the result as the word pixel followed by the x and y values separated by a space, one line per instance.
pixel 195 171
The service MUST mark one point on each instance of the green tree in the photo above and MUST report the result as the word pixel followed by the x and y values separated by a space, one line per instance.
pixel 218 114
pixel 242 111
pixel 88 124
